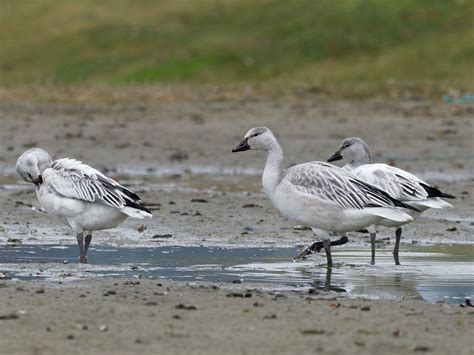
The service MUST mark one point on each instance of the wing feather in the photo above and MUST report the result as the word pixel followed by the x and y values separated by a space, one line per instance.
pixel 397 183
pixel 72 179
pixel 332 183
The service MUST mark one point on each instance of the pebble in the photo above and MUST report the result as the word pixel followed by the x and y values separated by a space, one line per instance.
pixel 270 316
pixel 8 316
pixel 188 308
pixel 40 290
pixel 421 348
pixel 156 236
pixel 313 331
pixel 103 328
pixel 151 303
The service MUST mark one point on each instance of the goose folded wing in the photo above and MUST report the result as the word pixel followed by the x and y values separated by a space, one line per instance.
pixel 72 179
pixel 331 183
pixel 397 183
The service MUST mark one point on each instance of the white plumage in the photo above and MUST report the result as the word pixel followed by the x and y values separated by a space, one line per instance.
pixel 398 183
pixel 78 194
pixel 320 195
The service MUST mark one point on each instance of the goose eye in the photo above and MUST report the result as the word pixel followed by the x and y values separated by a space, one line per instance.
pixel 29 175
pixel 255 134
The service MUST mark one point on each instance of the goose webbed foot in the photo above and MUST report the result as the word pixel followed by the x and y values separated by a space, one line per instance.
pixel 317 246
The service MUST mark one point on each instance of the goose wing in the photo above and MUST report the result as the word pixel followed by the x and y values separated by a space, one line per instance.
pixel 398 183
pixel 332 183
pixel 72 179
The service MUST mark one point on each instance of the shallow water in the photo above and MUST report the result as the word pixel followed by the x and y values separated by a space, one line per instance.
pixel 438 274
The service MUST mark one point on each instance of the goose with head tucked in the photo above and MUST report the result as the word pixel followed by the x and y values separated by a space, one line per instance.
pixel 398 183
pixel 320 195
pixel 81 196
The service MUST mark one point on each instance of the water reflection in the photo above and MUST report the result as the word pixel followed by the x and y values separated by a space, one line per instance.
pixel 437 276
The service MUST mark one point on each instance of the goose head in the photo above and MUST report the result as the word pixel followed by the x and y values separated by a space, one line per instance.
pixel 354 150
pixel 31 165
pixel 258 138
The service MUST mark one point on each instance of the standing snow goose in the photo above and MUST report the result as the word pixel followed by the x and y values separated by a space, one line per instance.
pixel 320 195
pixel 83 197
pixel 398 183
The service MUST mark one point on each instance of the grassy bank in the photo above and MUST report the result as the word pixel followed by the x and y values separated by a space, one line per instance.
pixel 350 45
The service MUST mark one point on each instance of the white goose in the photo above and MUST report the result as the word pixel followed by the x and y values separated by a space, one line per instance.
pixel 320 195
pixel 83 197
pixel 398 183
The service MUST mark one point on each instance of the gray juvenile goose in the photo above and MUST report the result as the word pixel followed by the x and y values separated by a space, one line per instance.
pixel 320 195
pixel 398 183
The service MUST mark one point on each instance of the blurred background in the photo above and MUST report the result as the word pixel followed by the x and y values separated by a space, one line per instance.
pixel 352 47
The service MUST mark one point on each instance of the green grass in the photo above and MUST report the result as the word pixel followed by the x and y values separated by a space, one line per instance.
pixel 351 44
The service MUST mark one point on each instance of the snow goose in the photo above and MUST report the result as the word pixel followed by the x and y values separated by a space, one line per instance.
pixel 83 197
pixel 320 195
pixel 398 183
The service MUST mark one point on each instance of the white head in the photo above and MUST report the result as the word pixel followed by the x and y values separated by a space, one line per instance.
pixel 354 150
pixel 31 165
pixel 258 138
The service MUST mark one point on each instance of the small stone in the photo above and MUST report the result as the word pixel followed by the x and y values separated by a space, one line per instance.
pixel 65 261
pixel 14 241
pixel 159 236
pixel 251 205
pixel 176 316
pixel 451 229
pixel 270 316
pixel 8 316
pixel 151 303
pixel 365 308
pixel 40 290
pixel 199 200
pixel 301 228
pixel 4 276
pixel 141 228
pixel 313 331
pixel 188 308
pixel 421 348
pixel 103 328
pixel 70 337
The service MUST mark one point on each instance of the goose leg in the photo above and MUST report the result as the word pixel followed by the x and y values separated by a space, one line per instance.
pixel 317 246
pixel 327 248
pixel 372 244
pixel 87 243
pixel 398 237
pixel 80 241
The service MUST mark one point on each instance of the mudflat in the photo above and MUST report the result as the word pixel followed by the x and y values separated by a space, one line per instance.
pixel 177 155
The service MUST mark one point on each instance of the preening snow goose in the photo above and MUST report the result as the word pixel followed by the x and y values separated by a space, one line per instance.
pixel 83 197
